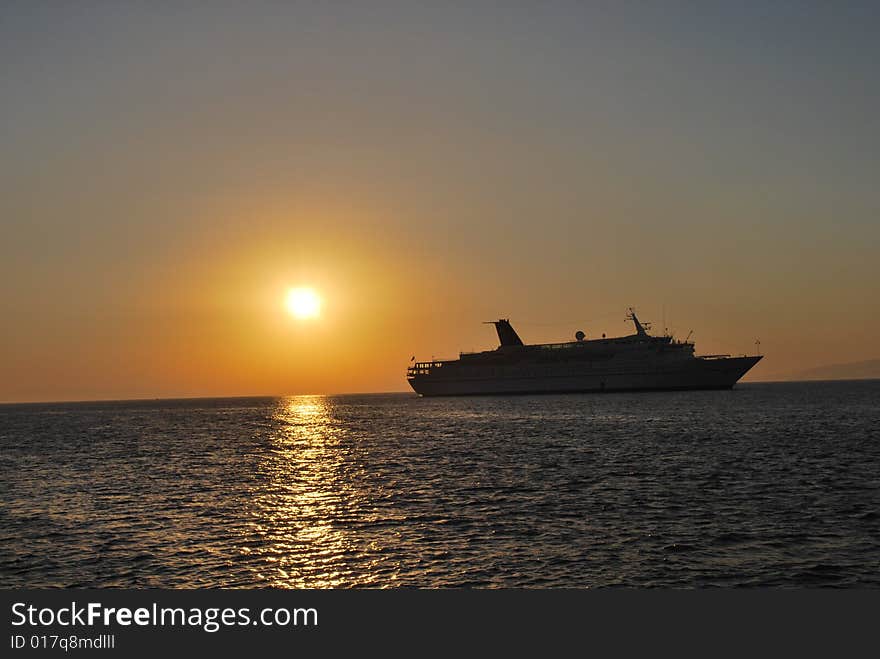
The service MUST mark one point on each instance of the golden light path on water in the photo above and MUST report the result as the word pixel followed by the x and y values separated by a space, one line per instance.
pixel 304 510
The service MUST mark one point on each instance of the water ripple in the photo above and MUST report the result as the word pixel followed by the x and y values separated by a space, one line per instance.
pixel 767 485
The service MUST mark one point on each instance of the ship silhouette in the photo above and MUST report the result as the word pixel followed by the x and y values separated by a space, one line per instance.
pixel 637 362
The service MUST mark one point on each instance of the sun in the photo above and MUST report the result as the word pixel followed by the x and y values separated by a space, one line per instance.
pixel 303 303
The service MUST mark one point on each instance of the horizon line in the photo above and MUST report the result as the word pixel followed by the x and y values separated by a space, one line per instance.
pixel 346 393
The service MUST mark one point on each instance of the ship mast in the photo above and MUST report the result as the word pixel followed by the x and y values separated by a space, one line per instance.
pixel 640 330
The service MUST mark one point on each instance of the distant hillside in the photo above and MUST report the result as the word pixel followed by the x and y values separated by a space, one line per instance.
pixel 852 371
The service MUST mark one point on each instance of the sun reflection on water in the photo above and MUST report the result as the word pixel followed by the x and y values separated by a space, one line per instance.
pixel 300 509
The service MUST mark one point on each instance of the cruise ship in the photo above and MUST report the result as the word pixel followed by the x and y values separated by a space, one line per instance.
pixel 637 362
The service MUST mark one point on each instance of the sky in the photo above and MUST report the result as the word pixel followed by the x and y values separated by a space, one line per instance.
pixel 169 170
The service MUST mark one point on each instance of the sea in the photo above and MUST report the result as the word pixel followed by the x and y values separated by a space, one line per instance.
pixel 767 485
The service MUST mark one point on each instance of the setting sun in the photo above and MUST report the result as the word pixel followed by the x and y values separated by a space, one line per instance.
pixel 303 303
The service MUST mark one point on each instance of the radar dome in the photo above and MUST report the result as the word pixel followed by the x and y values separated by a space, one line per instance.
pixel 580 336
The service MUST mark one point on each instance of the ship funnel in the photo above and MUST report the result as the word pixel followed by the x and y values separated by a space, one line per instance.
pixel 506 334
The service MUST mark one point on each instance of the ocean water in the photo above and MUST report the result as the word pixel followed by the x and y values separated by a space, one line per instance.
pixel 767 485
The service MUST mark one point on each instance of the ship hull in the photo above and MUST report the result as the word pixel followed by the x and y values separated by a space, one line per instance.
pixel 698 373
